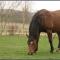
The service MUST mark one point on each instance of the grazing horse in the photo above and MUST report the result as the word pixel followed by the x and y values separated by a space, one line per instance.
pixel 43 21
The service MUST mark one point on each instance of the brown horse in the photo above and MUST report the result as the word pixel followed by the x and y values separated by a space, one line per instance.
pixel 43 21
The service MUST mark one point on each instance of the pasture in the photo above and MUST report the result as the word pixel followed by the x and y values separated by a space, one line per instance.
pixel 15 47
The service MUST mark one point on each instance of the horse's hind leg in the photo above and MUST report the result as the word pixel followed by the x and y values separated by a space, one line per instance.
pixel 59 42
pixel 49 33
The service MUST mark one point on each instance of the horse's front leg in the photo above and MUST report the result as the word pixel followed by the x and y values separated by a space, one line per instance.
pixel 37 42
pixel 49 33
pixel 58 43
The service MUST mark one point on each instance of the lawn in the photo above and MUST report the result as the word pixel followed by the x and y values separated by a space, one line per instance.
pixel 15 47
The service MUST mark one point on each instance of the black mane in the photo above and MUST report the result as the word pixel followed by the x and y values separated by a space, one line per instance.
pixel 34 27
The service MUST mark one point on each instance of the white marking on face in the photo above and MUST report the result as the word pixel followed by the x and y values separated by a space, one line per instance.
pixel 31 42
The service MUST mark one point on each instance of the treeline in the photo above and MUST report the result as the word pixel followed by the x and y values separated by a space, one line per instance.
pixel 10 15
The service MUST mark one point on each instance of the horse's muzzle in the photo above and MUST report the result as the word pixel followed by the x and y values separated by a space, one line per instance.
pixel 31 53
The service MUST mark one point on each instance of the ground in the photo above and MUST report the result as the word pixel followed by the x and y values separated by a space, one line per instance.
pixel 15 47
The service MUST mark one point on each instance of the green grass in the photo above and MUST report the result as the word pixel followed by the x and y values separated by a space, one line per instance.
pixel 15 47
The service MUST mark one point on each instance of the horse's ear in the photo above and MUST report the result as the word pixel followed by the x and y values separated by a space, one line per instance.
pixel 27 35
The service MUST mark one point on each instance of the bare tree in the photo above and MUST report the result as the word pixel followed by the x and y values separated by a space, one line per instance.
pixel 26 10
pixel 2 5
pixel 13 6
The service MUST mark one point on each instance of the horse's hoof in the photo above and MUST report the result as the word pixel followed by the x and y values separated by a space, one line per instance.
pixel 51 51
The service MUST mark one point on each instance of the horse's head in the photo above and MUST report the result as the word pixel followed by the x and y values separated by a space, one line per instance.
pixel 32 45
pixel 34 32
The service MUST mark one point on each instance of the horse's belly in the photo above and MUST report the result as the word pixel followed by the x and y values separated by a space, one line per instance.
pixel 56 26
pixel 56 29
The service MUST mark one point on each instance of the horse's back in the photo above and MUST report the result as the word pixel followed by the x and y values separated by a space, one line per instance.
pixel 51 19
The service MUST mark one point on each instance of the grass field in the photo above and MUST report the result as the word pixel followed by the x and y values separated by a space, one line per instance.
pixel 15 47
